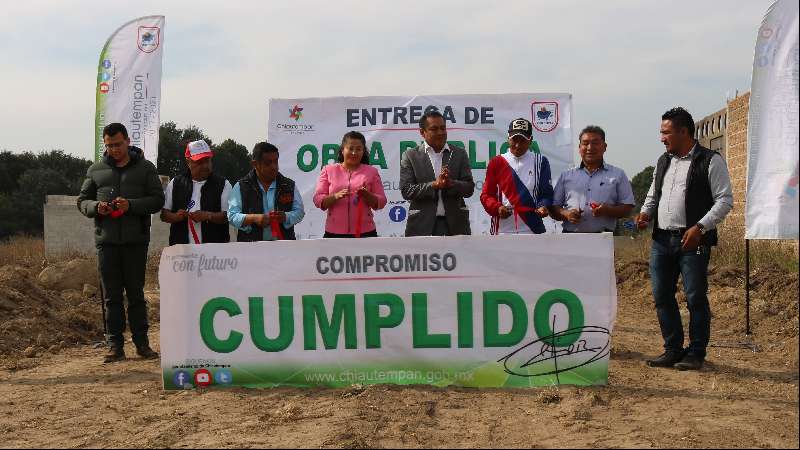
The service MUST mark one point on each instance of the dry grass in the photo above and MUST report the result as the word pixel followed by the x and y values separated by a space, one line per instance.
pixel 27 251
pixel 729 252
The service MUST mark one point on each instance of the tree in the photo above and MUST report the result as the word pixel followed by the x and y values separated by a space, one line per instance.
pixel 71 168
pixel 34 187
pixel 172 147
pixel 27 179
pixel 231 160
pixel 12 165
pixel 641 184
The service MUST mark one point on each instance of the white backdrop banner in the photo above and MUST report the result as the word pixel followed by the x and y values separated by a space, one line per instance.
pixel 482 311
pixel 772 169
pixel 129 84
pixel 308 131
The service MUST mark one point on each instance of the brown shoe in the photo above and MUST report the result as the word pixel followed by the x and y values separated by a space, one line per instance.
pixel 145 352
pixel 115 353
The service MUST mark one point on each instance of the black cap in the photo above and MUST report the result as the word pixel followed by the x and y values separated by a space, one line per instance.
pixel 520 127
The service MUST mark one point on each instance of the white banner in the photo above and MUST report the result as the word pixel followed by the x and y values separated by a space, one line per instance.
pixel 308 132
pixel 772 168
pixel 515 310
pixel 129 84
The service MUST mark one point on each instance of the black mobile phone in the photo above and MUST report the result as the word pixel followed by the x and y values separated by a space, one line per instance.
pixel 111 196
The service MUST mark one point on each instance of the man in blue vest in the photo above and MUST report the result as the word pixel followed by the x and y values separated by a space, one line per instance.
pixel 265 205
pixel 196 203
pixel 690 195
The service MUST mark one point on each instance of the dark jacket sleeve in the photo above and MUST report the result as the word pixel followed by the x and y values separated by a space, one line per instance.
pixel 463 184
pixel 87 199
pixel 409 187
pixel 153 200
pixel 545 185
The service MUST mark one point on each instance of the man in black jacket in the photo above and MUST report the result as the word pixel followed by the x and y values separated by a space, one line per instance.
pixel 120 193
pixel 196 203
pixel 690 195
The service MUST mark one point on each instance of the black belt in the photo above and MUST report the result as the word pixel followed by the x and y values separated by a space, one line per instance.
pixel 678 232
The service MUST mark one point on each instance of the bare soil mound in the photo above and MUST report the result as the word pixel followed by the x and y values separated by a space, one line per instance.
pixel 34 319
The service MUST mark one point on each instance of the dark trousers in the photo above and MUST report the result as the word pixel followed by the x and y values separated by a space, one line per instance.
pixel 440 227
pixel 373 233
pixel 122 268
pixel 667 261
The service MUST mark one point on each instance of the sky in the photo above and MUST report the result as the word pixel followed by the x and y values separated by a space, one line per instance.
pixel 624 62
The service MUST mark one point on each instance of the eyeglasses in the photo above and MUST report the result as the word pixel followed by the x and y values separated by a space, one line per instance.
pixel 114 145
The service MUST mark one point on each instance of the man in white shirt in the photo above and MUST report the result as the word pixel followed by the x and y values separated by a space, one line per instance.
pixel 691 193
pixel 196 203
pixel 436 177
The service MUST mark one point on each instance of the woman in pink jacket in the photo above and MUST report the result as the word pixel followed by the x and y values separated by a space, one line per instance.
pixel 350 190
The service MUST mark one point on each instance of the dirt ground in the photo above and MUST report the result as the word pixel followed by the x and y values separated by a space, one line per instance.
pixel 54 391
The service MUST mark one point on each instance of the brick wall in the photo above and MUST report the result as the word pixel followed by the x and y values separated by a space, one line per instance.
pixel 736 158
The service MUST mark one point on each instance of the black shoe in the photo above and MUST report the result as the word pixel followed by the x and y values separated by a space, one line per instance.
pixel 690 362
pixel 667 359
pixel 115 353
pixel 145 352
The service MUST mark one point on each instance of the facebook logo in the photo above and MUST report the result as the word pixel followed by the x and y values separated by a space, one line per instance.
pixel 397 214
pixel 181 379
pixel 223 376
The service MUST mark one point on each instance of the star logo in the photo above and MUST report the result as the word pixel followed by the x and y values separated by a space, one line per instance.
pixel 296 113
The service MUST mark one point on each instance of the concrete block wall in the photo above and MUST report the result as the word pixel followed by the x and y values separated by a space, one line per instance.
pixel 67 231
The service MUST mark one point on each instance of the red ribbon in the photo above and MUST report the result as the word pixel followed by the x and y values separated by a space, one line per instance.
pixel 359 211
pixel 520 209
pixel 276 229
pixel 194 232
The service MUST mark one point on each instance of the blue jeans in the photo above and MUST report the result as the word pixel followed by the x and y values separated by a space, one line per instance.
pixel 667 261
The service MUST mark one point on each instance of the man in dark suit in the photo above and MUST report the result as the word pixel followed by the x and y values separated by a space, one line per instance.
pixel 436 178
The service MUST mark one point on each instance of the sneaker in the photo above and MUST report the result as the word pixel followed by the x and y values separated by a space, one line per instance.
pixel 145 352
pixel 115 353
pixel 667 359
pixel 690 362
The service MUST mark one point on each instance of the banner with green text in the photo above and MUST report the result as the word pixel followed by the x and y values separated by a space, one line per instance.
pixel 129 84
pixel 481 311
pixel 308 132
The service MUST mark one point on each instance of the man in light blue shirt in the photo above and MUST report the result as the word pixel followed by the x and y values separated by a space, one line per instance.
pixel 265 205
pixel 590 198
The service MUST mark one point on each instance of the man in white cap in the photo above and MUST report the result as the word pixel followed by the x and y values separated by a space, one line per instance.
pixel 196 203
pixel 517 189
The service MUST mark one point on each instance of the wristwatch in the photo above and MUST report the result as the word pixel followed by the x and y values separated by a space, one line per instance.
pixel 702 228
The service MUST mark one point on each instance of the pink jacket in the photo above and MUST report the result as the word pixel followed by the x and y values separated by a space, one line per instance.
pixel 342 214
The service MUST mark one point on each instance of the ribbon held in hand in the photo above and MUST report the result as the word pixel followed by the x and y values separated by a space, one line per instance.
pixel 359 212
pixel 277 233
pixel 191 223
